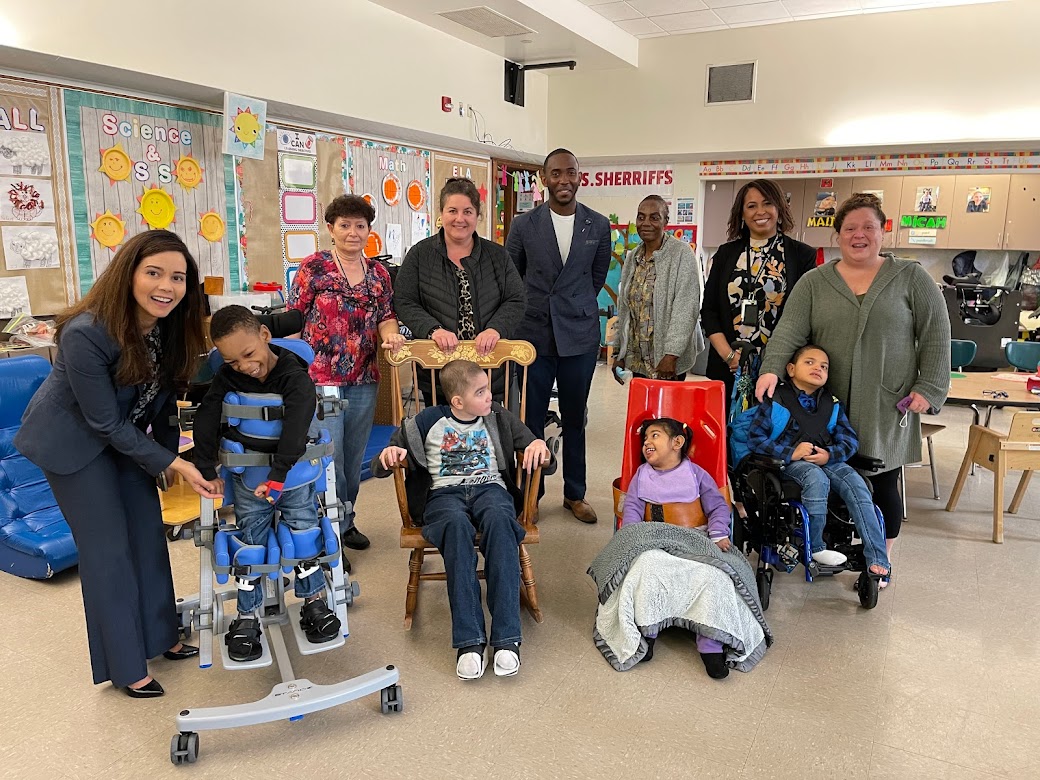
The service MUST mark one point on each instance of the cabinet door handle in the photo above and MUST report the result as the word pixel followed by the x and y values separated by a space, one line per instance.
pixel 999 235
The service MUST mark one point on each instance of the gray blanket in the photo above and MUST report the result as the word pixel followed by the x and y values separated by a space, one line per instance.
pixel 617 559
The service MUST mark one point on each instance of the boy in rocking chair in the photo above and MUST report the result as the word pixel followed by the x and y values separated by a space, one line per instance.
pixel 462 481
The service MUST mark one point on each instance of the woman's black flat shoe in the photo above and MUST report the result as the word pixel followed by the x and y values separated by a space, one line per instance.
pixel 149 691
pixel 186 651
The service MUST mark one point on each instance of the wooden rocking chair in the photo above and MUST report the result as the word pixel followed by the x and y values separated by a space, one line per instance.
pixel 426 355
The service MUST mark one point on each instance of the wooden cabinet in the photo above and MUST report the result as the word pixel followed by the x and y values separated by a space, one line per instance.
pixel 821 231
pixel 936 195
pixel 1022 225
pixel 979 229
pixel 718 199
pixel 794 191
pixel 890 190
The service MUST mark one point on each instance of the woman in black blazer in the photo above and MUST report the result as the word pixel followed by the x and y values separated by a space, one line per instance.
pixel 750 277
pixel 120 350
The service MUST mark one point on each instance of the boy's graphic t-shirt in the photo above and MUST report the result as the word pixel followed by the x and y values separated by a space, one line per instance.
pixel 461 453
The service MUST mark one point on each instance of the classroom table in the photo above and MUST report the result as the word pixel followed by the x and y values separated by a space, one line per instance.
pixel 976 390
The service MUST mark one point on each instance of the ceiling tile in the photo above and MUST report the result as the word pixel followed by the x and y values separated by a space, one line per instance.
pixel 695 20
pixel 760 12
pixel 661 34
pixel 639 27
pixel 729 3
pixel 813 7
pixel 655 7
pixel 616 12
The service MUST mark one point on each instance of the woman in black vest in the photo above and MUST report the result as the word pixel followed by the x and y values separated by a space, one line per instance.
pixel 750 277
pixel 456 286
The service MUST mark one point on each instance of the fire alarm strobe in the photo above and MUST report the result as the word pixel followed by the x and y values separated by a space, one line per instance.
pixel 446 106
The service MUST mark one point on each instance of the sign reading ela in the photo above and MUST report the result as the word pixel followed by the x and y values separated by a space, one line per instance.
pixel 921 221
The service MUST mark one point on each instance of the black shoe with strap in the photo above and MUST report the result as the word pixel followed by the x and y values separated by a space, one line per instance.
pixel 319 622
pixel 243 639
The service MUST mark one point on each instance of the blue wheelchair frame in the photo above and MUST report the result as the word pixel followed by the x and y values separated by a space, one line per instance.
pixel 283 550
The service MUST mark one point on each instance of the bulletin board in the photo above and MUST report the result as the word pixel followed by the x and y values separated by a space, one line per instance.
pixel 279 212
pixel 447 166
pixel 37 267
pixel 136 165
pixel 396 181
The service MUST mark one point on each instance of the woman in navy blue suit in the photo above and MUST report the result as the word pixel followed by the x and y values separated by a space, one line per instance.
pixel 120 351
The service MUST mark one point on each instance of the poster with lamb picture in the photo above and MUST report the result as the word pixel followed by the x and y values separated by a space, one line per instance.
pixel 26 200
pixel 24 153
pixel 30 247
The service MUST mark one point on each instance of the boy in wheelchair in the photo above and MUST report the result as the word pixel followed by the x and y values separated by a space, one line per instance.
pixel 462 481
pixel 805 427
pixel 254 366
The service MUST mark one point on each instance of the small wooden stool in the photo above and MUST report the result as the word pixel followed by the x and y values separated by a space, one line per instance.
pixel 1018 450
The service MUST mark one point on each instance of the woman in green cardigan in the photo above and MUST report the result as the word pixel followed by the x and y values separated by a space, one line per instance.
pixel 886 328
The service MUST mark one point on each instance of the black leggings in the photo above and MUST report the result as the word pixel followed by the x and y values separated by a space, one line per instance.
pixel 889 499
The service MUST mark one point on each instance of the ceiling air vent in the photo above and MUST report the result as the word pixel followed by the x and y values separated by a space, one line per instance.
pixel 487 22
pixel 731 83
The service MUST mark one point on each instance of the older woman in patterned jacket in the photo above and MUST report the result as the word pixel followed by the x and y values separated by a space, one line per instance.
pixel 659 301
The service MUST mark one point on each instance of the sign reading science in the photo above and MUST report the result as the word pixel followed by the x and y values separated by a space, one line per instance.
pixel 618 180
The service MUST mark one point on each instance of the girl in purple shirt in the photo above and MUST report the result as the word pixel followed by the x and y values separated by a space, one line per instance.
pixel 669 477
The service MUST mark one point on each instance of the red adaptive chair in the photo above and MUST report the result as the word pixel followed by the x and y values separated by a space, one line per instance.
pixel 701 405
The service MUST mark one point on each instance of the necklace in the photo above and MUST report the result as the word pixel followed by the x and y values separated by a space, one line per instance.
pixel 341 266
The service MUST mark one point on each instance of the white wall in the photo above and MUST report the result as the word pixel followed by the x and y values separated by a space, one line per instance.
pixel 939 76
pixel 347 57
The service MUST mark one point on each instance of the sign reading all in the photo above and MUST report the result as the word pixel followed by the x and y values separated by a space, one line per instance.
pixel 922 221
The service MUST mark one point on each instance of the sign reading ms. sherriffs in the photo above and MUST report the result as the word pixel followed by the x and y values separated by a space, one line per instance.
pixel 616 180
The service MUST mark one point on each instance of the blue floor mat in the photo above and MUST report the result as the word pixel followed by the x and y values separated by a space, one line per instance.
pixel 376 443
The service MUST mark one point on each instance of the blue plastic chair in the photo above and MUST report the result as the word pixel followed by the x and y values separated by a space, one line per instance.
pixel 1023 355
pixel 962 352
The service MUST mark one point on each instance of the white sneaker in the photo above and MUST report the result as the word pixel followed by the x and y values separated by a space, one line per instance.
pixel 829 557
pixel 470 666
pixel 507 663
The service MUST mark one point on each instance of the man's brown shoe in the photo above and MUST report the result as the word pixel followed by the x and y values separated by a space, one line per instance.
pixel 581 509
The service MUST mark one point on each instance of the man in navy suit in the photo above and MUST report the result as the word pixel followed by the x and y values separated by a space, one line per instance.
pixel 562 250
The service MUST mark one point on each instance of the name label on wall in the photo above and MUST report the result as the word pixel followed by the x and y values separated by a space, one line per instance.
pixel 920 221
pixel 620 180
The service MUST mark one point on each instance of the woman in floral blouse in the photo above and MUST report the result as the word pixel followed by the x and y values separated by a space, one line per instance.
pixel 750 277
pixel 347 306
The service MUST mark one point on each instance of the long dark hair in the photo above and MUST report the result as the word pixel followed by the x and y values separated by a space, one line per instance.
pixel 771 192
pixel 111 301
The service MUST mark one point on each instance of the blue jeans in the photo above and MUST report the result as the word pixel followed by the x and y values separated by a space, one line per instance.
pixel 350 431
pixel 254 517
pixel 451 521
pixel 573 377
pixel 816 483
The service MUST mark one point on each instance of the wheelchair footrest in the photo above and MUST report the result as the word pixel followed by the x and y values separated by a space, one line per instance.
pixel 265 659
pixel 305 646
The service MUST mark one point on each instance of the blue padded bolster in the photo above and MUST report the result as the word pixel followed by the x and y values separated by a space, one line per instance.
pixel 319 543
pixel 230 550
pixel 256 429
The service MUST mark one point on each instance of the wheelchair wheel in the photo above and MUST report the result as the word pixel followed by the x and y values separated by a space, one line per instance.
pixel 867 587
pixel 184 748
pixel 391 699
pixel 764 580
